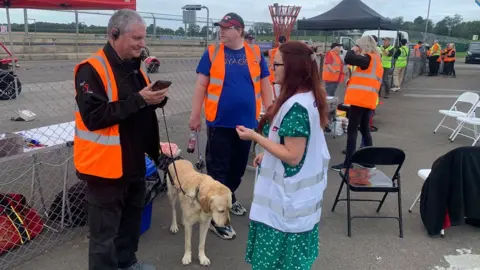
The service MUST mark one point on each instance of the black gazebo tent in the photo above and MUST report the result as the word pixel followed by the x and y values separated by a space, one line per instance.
pixel 348 14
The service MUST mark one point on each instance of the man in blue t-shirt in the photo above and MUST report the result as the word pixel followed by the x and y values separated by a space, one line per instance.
pixel 226 154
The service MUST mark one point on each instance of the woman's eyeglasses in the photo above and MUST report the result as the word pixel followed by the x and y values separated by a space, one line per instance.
pixel 275 65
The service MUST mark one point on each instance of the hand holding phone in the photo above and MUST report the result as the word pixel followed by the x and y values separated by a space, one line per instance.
pixel 156 92
pixel 160 85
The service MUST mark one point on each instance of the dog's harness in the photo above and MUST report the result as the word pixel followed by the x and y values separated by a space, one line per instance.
pixel 199 164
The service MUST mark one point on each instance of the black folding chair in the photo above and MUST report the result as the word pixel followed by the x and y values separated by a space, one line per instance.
pixel 372 180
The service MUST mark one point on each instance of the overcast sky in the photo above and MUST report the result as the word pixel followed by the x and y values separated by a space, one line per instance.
pixel 257 10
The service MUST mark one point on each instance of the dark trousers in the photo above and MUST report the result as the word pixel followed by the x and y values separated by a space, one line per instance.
pixel 386 82
pixel 114 220
pixel 433 65
pixel 358 116
pixel 449 68
pixel 226 157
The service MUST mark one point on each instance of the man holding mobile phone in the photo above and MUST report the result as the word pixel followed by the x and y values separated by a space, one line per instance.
pixel 115 125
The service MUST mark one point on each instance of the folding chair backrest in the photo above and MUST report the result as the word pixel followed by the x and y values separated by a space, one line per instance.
pixel 379 156
pixel 469 97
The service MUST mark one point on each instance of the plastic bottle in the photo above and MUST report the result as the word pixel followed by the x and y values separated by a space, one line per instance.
pixel 192 142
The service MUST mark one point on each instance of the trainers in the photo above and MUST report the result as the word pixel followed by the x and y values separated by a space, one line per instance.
pixel 238 209
pixel 339 167
pixel 140 266
pixel 226 232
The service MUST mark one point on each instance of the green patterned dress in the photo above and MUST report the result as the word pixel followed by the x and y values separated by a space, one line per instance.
pixel 268 248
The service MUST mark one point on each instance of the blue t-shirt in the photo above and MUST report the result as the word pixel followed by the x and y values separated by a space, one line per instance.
pixel 236 105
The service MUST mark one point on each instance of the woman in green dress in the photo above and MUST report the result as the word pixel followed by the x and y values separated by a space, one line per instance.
pixel 292 173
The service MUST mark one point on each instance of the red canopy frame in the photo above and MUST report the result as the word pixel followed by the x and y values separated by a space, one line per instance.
pixel 70 4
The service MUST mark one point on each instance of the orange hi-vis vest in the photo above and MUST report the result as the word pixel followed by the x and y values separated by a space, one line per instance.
pixel 416 50
pixel 217 76
pixel 363 86
pixel 271 55
pixel 449 56
pixel 337 65
pixel 98 153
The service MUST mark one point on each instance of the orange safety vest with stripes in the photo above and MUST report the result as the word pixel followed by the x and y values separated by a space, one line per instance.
pixel 363 86
pixel 337 65
pixel 99 153
pixel 271 55
pixel 449 56
pixel 216 53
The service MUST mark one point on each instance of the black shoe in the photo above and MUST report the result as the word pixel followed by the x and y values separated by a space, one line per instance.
pixel 339 167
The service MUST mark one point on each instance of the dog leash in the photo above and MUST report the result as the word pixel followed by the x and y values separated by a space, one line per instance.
pixel 171 152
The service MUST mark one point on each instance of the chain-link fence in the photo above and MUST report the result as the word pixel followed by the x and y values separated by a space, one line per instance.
pixel 41 199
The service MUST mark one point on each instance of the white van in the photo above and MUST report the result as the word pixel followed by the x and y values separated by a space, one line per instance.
pixel 348 43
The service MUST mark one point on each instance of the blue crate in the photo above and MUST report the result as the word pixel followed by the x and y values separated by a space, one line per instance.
pixel 146 218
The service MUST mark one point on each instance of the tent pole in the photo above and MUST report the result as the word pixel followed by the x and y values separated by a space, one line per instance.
pixel 12 52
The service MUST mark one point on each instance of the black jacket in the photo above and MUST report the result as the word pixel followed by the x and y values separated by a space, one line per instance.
pixel 137 121
pixel 453 185
pixel 359 60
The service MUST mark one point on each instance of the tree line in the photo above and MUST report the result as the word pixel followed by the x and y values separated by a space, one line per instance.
pixel 453 26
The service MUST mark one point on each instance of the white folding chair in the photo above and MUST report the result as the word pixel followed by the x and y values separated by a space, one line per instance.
pixel 467 97
pixel 472 120
pixel 423 174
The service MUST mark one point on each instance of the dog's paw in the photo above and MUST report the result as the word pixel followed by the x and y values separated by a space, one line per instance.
pixel 187 258
pixel 204 260
pixel 173 228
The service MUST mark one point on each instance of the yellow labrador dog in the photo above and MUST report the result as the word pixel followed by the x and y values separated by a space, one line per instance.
pixel 204 199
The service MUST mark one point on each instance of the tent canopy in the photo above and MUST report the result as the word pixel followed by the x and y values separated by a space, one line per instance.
pixel 348 14
pixel 70 4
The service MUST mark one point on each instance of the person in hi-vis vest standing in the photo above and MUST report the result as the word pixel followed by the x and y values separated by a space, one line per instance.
pixel 386 53
pixel 361 94
pixel 401 60
pixel 232 84
pixel 115 126
pixel 333 72
pixel 271 56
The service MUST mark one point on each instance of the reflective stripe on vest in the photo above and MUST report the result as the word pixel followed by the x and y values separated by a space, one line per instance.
pixel 98 153
pixel 386 60
pixel 327 75
pixel 287 213
pixel 363 86
pixel 217 76
pixel 402 59
pixel 292 188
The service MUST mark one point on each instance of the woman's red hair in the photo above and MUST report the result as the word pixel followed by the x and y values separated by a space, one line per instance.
pixel 301 74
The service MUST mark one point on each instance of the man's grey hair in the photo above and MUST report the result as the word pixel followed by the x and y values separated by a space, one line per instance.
pixel 367 44
pixel 122 20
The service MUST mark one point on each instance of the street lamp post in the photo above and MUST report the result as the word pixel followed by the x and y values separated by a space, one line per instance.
pixel 200 7
pixel 426 21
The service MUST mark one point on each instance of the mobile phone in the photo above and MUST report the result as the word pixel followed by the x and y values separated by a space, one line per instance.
pixel 160 85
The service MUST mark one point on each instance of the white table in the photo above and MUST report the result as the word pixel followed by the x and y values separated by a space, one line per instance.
pixel 53 137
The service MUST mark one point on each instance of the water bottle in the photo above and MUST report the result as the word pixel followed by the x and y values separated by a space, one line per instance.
pixel 192 142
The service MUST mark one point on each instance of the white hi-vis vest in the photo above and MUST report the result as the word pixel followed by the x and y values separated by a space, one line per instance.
pixel 293 204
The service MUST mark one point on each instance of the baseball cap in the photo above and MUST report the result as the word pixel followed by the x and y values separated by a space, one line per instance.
pixel 335 44
pixel 231 19
pixel 282 39
pixel 386 38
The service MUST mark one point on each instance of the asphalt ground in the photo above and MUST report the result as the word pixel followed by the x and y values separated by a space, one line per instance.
pixel 406 121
